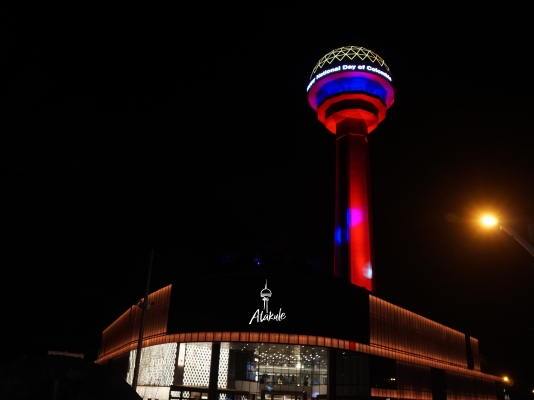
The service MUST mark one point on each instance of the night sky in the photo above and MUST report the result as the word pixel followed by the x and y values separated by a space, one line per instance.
pixel 190 133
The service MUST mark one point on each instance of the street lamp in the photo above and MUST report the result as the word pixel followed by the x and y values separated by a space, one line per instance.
pixel 488 220
pixel 508 381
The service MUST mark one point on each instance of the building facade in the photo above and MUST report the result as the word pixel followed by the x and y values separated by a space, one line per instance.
pixel 216 337
pixel 280 336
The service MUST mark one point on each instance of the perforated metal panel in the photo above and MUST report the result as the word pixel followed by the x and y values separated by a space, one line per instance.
pixel 222 379
pixel 197 364
pixel 156 367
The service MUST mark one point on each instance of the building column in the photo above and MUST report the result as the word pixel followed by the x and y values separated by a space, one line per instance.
pixel 214 370
pixel 332 381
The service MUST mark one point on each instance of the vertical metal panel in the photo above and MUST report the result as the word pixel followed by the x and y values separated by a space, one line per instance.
pixel 125 330
pixel 476 354
pixel 400 330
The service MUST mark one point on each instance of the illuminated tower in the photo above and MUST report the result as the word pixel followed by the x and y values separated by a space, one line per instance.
pixel 351 90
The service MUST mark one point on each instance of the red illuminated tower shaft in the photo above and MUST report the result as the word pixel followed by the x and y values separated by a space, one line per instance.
pixel 353 248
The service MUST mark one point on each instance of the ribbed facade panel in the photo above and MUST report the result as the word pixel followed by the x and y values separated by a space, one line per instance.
pixel 399 330
pixel 476 354
pixel 124 332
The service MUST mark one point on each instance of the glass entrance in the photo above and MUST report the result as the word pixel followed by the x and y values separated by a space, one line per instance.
pixel 282 395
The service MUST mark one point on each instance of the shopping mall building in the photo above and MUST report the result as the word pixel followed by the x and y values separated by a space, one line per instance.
pixel 290 337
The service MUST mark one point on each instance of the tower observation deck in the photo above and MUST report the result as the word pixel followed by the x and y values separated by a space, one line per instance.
pixel 351 90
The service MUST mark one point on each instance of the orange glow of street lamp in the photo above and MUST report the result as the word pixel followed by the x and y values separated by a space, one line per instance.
pixel 488 220
pixel 508 381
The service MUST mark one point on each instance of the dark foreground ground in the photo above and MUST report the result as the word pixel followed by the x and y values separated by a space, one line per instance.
pixel 57 377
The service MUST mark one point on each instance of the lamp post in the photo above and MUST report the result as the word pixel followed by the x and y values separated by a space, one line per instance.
pixel 144 305
pixel 492 221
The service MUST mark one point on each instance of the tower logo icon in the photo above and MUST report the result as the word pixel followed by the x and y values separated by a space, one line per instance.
pixel 265 315
pixel 265 294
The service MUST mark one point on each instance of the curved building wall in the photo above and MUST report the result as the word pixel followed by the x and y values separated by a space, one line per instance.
pixel 365 346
